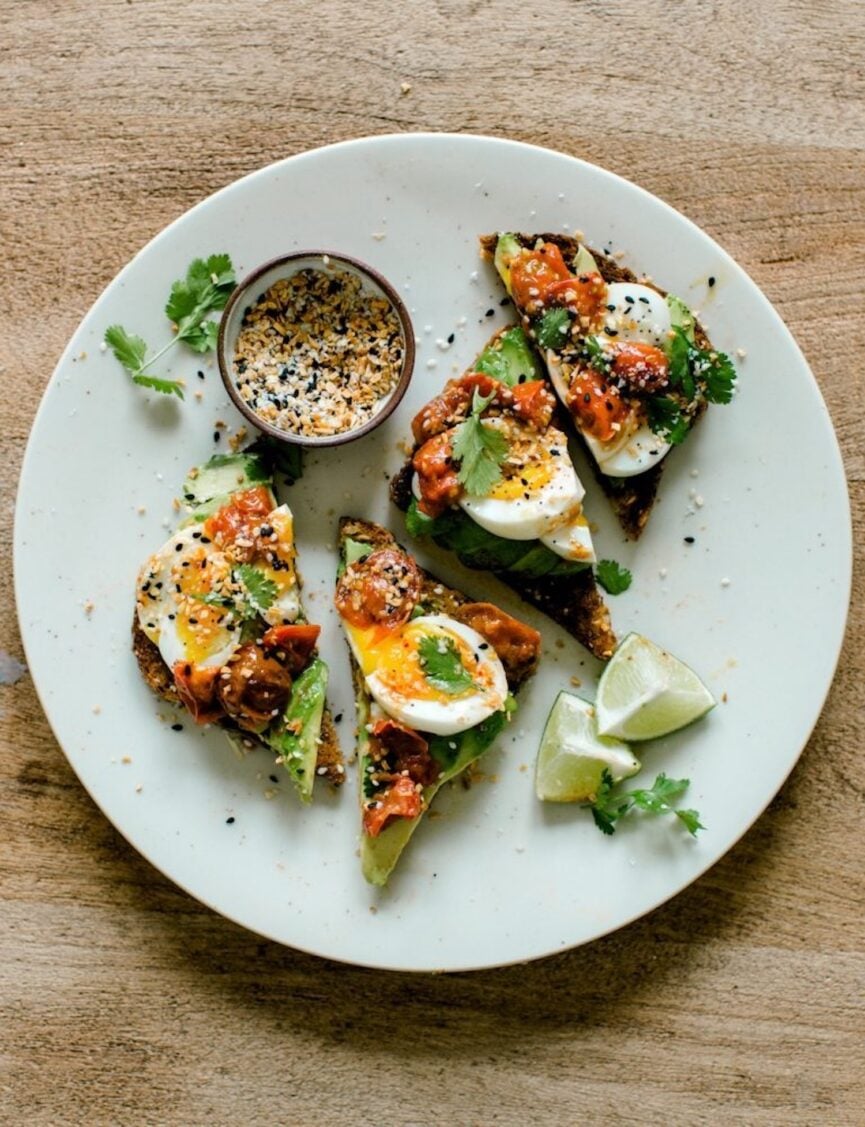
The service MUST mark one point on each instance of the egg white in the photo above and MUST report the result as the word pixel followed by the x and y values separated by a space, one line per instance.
pixel 164 613
pixel 636 450
pixel 409 698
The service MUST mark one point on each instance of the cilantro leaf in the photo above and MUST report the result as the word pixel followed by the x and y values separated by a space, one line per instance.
pixel 129 350
pixel 260 591
pixel 609 807
pixel 279 457
pixel 666 419
pixel 480 449
pixel 679 353
pixel 165 387
pixel 442 666
pixel 612 577
pixel 204 290
pixel 719 376
pixel 552 328
pixel 596 356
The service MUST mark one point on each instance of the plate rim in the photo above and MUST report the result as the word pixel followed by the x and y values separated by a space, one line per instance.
pixel 844 582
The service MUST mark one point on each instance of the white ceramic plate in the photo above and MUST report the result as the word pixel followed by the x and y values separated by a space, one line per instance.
pixel 495 877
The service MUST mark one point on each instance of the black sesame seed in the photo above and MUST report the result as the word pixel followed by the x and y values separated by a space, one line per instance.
pixel 177 727
pixel 711 280
pixel 505 301
pixel 490 313
pixel 200 374
pixel 689 539
pixel 338 718
pixel 273 778
pixel 229 821
pixel 216 436
pixel 451 338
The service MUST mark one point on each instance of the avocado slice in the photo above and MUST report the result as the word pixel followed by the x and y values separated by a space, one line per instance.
pixel 510 358
pixel 295 738
pixel 380 854
pixel 507 247
pixel 681 316
pixel 222 475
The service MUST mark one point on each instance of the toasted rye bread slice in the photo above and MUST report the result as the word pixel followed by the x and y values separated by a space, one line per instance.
pixel 573 601
pixel 379 854
pixel 157 676
pixel 632 498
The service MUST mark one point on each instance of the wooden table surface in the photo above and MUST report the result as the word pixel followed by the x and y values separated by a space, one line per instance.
pixel 122 1000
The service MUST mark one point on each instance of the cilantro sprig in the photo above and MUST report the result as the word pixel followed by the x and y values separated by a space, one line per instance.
pixel 608 807
pixel 552 328
pixel 479 448
pixel 257 595
pixel 694 373
pixel 192 299
pixel 442 666
pixel 612 576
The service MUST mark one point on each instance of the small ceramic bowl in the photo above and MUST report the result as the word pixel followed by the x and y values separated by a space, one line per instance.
pixel 320 382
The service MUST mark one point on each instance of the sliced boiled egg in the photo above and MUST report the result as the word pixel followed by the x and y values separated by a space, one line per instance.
pixel 572 539
pixel 399 677
pixel 539 486
pixel 635 312
pixel 275 559
pixel 170 589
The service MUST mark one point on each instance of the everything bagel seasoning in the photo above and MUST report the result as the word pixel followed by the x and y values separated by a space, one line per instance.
pixel 318 355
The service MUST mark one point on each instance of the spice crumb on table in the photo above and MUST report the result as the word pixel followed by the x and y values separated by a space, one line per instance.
pixel 317 354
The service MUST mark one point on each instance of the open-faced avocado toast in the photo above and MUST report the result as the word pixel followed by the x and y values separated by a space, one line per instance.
pixel 490 478
pixel 631 364
pixel 435 676
pixel 219 626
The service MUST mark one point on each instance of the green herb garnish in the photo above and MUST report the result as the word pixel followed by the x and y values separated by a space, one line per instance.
pixel 667 419
pixel 203 291
pixel 480 449
pixel 552 328
pixel 608 808
pixel 260 591
pixel 596 356
pixel 441 665
pixel 258 594
pixel 612 577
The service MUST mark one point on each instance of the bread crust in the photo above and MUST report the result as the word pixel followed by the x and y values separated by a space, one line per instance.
pixel 631 498
pixel 158 678
pixel 573 601
pixel 437 596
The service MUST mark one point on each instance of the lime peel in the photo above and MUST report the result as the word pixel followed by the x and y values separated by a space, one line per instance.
pixel 645 692
pixel 573 757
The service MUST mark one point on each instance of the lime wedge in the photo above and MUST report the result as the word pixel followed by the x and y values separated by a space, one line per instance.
pixel 572 756
pixel 645 692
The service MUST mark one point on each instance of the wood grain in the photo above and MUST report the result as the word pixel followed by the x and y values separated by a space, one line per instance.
pixel 123 1000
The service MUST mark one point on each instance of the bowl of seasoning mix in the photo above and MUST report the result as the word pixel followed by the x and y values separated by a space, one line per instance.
pixel 315 348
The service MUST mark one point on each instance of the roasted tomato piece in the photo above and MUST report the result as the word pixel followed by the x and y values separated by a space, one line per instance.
pixel 452 406
pixel 642 366
pixel 406 750
pixel 293 644
pixel 533 272
pixel 437 476
pixel 400 800
pixel 253 688
pixel 597 407
pixel 240 518
pixel 534 403
pixel 197 689
pixel 381 590
pixel 518 645
pixel 584 294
